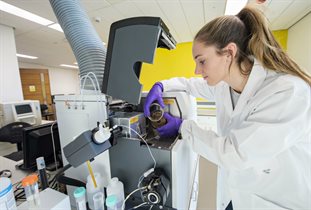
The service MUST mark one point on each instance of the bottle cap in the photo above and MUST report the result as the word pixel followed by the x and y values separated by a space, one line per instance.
pixel 114 181
pixel 79 192
pixel 111 200
pixel 29 180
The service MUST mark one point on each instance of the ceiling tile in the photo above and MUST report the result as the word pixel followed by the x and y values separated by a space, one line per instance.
pixel 93 5
pixel 37 7
pixel 109 14
pixel 152 8
pixel 194 13
pixel 293 13
pixel 176 18
pixel 20 25
pixel 276 8
pixel 213 9
pixel 128 9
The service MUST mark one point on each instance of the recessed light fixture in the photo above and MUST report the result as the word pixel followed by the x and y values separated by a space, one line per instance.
pixel 57 27
pixel 26 56
pixel 23 14
pixel 69 66
pixel 233 7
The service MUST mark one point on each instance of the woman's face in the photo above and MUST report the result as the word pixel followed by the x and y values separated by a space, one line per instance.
pixel 212 66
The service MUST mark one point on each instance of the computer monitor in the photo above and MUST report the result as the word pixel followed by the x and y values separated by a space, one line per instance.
pixel 37 142
pixel 20 111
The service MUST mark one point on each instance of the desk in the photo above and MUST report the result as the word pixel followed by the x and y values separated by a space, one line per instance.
pixel 46 121
pixel 17 175
pixel 47 115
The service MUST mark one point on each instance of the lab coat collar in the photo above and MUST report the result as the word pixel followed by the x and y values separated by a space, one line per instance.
pixel 255 80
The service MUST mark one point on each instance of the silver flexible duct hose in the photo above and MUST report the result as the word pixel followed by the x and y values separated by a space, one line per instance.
pixel 86 45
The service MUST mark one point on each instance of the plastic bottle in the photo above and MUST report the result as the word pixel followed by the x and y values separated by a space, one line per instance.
pixel 98 200
pixel 79 195
pixel 7 200
pixel 30 184
pixel 91 190
pixel 111 202
pixel 115 187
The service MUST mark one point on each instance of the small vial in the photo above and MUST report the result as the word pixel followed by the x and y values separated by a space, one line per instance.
pixel 30 184
pixel 79 195
pixel 98 199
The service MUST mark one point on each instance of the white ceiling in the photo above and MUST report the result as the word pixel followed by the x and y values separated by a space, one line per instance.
pixel 183 17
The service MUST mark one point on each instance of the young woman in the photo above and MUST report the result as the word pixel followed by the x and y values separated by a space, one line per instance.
pixel 263 98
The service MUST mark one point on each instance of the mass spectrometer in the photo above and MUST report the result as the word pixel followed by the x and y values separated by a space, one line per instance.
pixel 169 183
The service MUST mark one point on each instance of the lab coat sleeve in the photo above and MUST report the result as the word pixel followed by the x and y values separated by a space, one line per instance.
pixel 195 86
pixel 280 121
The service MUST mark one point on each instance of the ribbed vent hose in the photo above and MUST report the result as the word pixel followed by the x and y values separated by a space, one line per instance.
pixel 87 47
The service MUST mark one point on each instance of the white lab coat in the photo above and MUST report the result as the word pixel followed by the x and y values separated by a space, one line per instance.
pixel 263 146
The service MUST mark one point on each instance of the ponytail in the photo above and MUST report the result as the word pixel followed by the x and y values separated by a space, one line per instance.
pixel 263 46
pixel 250 32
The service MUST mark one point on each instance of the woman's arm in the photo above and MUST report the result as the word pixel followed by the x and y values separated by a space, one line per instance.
pixel 196 87
pixel 279 122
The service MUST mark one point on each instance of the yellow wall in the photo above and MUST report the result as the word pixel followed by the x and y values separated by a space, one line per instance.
pixel 168 64
pixel 281 37
pixel 179 62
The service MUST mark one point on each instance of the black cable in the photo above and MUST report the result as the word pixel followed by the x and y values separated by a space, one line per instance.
pixel 67 180
pixel 60 172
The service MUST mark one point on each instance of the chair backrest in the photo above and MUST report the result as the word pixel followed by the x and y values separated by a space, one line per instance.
pixel 44 109
pixel 13 132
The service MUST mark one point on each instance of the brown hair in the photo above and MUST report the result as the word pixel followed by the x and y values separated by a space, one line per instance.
pixel 250 32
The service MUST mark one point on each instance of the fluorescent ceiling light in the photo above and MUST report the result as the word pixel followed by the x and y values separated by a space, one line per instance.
pixel 23 14
pixel 233 7
pixel 26 56
pixel 56 26
pixel 69 66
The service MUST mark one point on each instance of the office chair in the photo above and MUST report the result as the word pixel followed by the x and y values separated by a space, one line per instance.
pixel 13 133
pixel 45 112
pixel 44 109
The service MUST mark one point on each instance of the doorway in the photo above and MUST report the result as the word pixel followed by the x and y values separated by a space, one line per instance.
pixel 36 86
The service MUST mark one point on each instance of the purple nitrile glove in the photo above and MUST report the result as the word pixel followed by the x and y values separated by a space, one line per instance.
pixel 171 128
pixel 155 94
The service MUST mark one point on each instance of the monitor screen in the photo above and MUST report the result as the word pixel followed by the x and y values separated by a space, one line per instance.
pixel 23 109
pixel 37 142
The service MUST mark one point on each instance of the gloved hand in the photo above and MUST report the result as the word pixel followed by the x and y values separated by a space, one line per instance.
pixel 155 94
pixel 171 128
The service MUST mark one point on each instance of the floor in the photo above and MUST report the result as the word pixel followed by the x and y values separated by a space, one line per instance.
pixel 7 148
pixel 207 172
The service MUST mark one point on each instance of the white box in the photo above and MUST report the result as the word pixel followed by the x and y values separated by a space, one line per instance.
pixel 49 200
